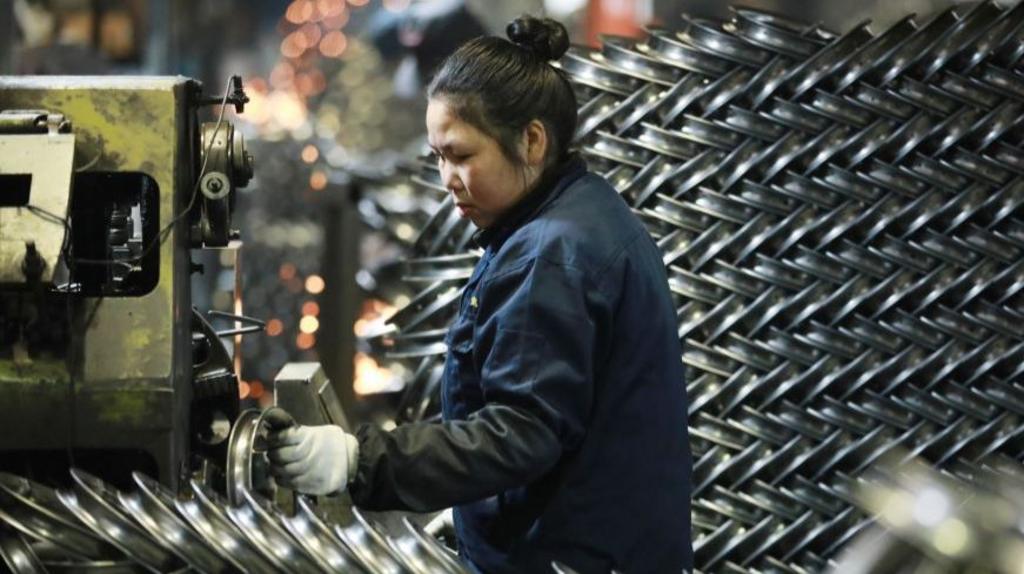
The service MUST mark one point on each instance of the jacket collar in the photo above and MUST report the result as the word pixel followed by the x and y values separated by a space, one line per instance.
pixel 551 186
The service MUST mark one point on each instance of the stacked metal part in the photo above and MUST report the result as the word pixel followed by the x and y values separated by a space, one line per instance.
pixel 840 216
pixel 96 527
pixel 968 519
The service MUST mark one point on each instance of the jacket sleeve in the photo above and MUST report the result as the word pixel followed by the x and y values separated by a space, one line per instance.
pixel 535 343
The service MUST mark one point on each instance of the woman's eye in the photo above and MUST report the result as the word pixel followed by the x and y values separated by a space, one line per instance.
pixel 452 157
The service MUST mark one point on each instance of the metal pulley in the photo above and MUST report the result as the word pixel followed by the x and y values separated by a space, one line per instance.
pixel 228 166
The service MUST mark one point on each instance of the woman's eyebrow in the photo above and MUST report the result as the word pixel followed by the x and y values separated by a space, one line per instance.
pixel 438 149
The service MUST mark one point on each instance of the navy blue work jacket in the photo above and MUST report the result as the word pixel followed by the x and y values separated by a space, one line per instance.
pixel 565 434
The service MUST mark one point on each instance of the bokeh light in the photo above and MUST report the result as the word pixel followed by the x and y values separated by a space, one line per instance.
pixel 315 284
pixel 309 324
pixel 305 341
pixel 330 8
pixel 299 11
pixel 310 153
pixel 333 44
pixel 286 271
pixel 318 180
pixel 274 327
pixel 335 22
pixel 293 45
pixel 371 377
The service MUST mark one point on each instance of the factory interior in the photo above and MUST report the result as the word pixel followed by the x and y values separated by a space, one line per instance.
pixel 224 226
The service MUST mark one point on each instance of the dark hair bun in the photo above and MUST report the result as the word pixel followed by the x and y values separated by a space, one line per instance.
pixel 546 38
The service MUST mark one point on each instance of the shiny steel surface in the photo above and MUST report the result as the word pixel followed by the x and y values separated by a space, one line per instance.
pixel 240 448
pixel 444 558
pixel 16 553
pixel 92 567
pixel 368 545
pixel 95 503
pixel 256 519
pixel 207 514
pixel 408 550
pixel 318 540
pixel 246 446
pixel 150 528
pixel 152 507
pixel 35 511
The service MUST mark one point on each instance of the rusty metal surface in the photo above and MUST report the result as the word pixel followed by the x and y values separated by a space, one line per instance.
pixel 133 354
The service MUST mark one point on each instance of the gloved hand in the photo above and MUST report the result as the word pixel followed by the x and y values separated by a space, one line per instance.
pixel 313 459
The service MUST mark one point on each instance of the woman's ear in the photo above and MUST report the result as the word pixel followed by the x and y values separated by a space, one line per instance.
pixel 536 136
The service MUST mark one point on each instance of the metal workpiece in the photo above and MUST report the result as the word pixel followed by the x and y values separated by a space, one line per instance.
pixel 368 545
pixel 96 527
pixel 967 518
pixel 316 537
pixel 35 512
pixel 95 503
pixel 207 514
pixel 433 553
pixel 16 553
pixel 247 449
pixel 256 519
pixel 152 507
pixel 421 397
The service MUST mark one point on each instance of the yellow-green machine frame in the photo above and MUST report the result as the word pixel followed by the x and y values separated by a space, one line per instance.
pixel 117 390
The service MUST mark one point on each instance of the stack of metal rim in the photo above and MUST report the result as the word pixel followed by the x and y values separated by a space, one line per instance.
pixel 966 520
pixel 94 527
pixel 840 215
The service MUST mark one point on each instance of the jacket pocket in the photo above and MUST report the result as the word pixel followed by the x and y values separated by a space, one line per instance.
pixel 461 385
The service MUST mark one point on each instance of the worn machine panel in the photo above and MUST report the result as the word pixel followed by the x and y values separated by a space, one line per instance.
pixel 122 383
pixel 36 166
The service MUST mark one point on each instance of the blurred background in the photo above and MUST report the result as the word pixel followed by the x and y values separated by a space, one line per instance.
pixel 336 125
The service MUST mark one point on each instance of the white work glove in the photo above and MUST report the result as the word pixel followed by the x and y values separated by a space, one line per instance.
pixel 313 459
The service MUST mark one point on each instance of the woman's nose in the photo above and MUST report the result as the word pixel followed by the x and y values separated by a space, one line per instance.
pixel 450 179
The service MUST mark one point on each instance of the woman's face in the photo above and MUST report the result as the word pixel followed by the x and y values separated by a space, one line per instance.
pixel 483 182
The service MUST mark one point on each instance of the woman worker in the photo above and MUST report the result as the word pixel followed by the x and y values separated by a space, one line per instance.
pixel 563 397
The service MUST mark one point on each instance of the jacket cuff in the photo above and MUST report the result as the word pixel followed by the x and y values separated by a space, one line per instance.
pixel 359 485
pixel 352 452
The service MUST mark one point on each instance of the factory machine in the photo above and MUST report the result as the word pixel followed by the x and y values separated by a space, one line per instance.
pixel 114 388
pixel 107 185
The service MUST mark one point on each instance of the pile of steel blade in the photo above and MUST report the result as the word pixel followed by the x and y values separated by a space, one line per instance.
pixel 841 220
pixel 970 519
pixel 94 527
